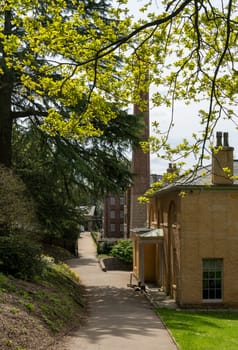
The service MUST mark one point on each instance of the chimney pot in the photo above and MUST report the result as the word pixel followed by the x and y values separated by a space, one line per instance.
pixel 170 168
pixel 219 138
pixel 225 139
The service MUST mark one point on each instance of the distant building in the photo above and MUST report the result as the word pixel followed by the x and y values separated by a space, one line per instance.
pixel 117 211
pixel 91 219
pixel 113 216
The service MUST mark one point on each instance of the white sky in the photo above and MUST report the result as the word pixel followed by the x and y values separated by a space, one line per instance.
pixel 185 117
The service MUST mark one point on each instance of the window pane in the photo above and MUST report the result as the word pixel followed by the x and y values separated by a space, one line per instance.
pixel 205 284
pixel 122 200
pixel 206 264
pixel 211 274
pixel 211 283
pixel 112 200
pixel 218 284
pixel 112 214
pixel 211 294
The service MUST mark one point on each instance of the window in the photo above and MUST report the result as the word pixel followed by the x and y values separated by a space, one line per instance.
pixel 112 200
pixel 212 279
pixel 113 227
pixel 112 214
pixel 122 200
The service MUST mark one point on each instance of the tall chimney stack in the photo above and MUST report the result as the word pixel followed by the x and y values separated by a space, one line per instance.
pixel 141 169
pixel 222 161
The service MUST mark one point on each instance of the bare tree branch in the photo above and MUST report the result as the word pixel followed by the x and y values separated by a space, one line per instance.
pixel 213 87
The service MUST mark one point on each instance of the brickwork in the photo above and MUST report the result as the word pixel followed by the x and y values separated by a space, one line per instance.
pixel 113 216
pixel 206 227
pixel 200 226
pixel 141 169
pixel 213 233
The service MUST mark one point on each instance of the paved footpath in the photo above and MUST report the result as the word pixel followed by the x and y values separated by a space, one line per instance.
pixel 119 317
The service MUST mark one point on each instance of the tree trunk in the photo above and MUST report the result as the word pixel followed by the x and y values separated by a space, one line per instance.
pixel 6 124
pixel 6 87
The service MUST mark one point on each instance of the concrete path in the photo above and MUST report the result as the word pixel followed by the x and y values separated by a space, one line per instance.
pixel 119 317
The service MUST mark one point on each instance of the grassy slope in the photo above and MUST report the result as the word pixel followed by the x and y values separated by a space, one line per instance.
pixel 34 314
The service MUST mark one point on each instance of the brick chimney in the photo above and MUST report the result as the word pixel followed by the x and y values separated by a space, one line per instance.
pixel 141 169
pixel 222 158
pixel 172 169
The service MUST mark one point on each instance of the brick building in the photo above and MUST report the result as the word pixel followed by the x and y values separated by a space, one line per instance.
pixel 190 248
pixel 113 216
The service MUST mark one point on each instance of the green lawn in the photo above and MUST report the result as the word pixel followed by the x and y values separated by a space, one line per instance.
pixel 201 330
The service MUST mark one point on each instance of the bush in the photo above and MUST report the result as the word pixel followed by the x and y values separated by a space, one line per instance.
pixel 104 247
pixel 94 236
pixel 16 205
pixel 20 257
pixel 123 250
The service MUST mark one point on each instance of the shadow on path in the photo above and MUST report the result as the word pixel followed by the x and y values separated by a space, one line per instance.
pixel 118 316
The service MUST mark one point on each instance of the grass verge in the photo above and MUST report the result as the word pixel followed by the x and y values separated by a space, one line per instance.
pixel 202 330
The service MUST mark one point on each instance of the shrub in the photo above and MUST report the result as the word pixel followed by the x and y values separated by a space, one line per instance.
pixel 104 247
pixel 20 257
pixel 94 236
pixel 17 209
pixel 123 250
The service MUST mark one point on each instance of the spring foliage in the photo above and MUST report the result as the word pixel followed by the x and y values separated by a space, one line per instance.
pixel 62 58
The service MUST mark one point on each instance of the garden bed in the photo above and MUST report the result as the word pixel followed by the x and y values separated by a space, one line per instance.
pixel 112 263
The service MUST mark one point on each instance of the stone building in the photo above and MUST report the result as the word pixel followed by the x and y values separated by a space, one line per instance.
pixel 190 248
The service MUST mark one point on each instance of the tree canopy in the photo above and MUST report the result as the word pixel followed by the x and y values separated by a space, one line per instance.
pixel 57 57
pixel 40 41
pixel 80 156
pixel 62 175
